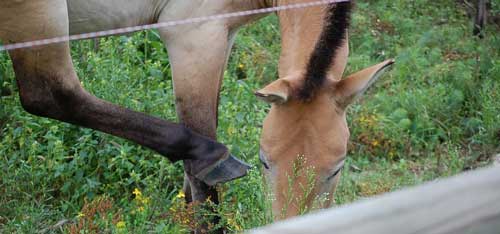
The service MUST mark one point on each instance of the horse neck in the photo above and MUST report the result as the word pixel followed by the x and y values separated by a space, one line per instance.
pixel 300 31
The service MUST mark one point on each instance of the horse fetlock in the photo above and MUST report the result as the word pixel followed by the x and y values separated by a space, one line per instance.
pixel 205 148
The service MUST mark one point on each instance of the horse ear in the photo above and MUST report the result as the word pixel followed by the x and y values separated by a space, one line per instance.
pixel 275 93
pixel 347 90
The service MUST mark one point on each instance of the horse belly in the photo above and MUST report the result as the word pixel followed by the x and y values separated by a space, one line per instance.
pixel 97 15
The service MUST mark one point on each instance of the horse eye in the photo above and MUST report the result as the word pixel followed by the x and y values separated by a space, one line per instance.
pixel 334 174
pixel 262 160
pixel 264 164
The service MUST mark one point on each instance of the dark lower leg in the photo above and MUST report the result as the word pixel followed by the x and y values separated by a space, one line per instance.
pixel 172 140
pixel 53 91
pixel 204 158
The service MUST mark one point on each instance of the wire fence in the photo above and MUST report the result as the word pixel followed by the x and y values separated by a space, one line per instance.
pixel 172 23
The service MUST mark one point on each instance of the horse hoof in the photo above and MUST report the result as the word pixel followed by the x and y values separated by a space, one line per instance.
pixel 227 169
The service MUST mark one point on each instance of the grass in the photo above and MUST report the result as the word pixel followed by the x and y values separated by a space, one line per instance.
pixel 436 114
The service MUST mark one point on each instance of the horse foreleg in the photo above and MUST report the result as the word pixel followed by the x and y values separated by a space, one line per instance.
pixel 49 87
pixel 198 57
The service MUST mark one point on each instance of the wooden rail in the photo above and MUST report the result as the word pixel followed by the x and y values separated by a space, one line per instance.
pixel 467 203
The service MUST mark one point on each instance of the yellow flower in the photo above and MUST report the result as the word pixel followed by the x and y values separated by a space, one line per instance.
pixel 241 65
pixel 185 221
pixel 80 215
pixel 121 225
pixel 137 192
pixel 375 143
pixel 181 195
pixel 233 223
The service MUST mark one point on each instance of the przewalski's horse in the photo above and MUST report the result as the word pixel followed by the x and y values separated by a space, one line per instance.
pixel 305 134
pixel 308 100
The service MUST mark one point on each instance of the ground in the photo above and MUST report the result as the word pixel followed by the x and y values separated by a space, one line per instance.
pixel 436 114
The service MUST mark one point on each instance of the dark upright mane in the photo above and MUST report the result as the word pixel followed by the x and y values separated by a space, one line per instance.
pixel 331 39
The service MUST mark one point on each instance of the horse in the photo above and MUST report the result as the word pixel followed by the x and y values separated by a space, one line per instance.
pixel 307 118
pixel 304 138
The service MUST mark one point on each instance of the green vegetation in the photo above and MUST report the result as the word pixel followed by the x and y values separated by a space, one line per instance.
pixel 437 113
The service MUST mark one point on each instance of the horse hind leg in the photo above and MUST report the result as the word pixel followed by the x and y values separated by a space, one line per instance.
pixel 49 87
